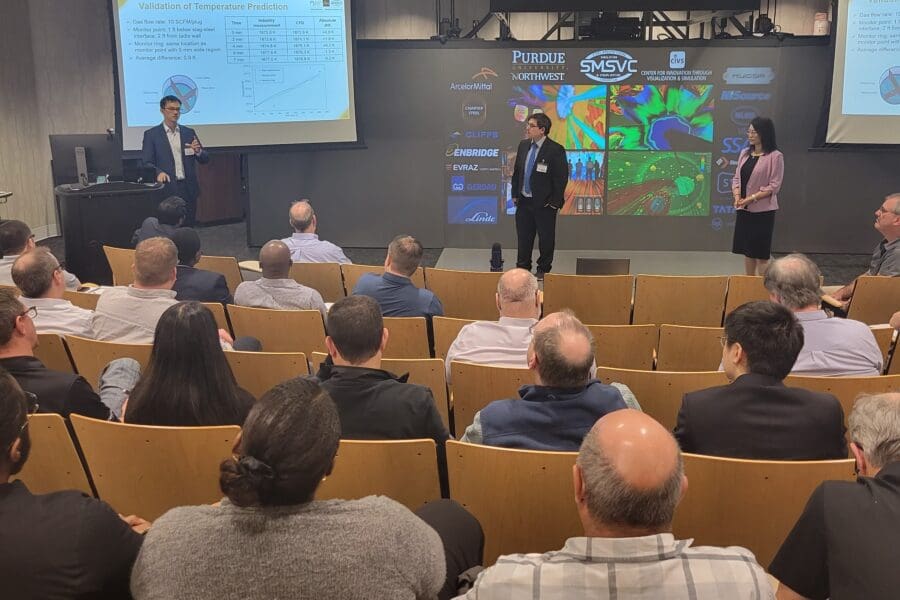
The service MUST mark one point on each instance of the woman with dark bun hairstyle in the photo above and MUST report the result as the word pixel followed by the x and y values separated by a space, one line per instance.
pixel 270 539
pixel 755 187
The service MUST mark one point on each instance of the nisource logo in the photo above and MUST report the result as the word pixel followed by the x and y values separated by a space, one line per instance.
pixel 608 66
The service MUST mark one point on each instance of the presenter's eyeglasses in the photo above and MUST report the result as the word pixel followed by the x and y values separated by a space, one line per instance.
pixel 174 109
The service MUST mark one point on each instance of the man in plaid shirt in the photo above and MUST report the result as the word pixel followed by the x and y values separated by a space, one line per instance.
pixel 628 480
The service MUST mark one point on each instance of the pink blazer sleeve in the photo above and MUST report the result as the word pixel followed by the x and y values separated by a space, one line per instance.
pixel 776 174
pixel 736 179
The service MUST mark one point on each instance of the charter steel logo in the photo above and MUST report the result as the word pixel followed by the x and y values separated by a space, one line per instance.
pixel 608 66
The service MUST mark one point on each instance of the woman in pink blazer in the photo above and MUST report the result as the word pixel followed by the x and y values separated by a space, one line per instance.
pixel 755 188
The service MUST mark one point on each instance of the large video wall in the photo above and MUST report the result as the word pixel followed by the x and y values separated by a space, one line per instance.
pixel 650 133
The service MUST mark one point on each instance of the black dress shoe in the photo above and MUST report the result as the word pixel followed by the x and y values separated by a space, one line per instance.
pixel 539 275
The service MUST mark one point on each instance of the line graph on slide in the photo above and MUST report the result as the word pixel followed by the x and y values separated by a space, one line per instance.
pixel 285 89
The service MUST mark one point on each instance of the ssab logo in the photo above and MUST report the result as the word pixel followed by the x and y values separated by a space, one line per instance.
pixel 608 66
pixel 733 145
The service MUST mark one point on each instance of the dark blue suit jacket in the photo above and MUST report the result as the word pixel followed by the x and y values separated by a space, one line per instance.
pixel 201 286
pixel 157 153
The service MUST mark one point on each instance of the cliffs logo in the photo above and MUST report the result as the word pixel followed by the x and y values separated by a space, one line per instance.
pixel 608 66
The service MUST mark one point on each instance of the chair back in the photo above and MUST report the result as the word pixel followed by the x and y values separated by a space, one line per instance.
pixel 144 470
pixel 120 262
pixel 352 273
pixel 884 337
pixel 686 348
pixel 679 300
pixel 475 386
pixel 445 331
pixel 743 289
pixel 660 392
pixel 85 300
pixel 407 337
pixel 218 311
pixel 522 498
pixel 226 265
pixel 465 294
pixel 846 389
pixel 258 372
pixel 92 356
pixel 51 350
pixel 280 330
pixel 429 372
pixel 53 463
pixel 749 503
pixel 624 346
pixel 325 278
pixel 595 299
pixel 403 470
pixel 875 299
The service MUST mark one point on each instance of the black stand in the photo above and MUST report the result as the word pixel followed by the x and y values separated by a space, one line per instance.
pixel 100 215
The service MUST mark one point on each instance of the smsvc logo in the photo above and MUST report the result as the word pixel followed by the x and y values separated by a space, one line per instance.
pixel 608 66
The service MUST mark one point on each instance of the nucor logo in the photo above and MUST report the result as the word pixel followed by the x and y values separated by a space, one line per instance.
pixel 608 66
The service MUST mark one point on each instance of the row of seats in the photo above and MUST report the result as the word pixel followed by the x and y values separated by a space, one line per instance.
pixel 522 498
pixel 473 387
pixel 601 299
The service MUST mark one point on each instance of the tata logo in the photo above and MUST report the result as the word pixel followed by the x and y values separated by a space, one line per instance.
pixel 723 209
pixel 733 145
pixel 481 217
pixel 677 59
pixel 482 135
pixel 742 115
pixel 608 66
pixel 458 183
pixel 520 57
pixel 748 75
pixel 723 183
pixel 741 96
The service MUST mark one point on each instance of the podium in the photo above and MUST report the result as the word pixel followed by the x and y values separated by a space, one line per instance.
pixel 105 214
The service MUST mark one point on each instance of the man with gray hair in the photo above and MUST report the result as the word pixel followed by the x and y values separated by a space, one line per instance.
pixel 843 545
pixel 503 342
pixel 40 278
pixel 832 346
pixel 304 244
pixel 628 480
pixel 556 412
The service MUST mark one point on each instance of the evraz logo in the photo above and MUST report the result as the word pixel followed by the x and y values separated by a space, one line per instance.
pixel 608 66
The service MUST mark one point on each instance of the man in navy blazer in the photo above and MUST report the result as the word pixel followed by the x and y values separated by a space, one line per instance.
pixel 173 150
pixel 192 283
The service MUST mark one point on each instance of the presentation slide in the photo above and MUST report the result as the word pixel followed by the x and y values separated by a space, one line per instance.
pixel 865 102
pixel 247 74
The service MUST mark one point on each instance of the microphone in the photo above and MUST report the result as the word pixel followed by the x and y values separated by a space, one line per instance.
pixel 496 258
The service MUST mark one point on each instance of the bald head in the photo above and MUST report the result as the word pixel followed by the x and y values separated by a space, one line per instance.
pixel 33 273
pixel 561 351
pixel 275 260
pixel 303 217
pixel 517 295
pixel 793 282
pixel 632 473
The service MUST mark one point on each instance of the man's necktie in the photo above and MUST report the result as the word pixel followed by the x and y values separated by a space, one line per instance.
pixel 529 165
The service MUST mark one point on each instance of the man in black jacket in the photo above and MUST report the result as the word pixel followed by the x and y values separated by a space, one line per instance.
pixel 757 416
pixel 192 283
pixel 538 184
pixel 373 404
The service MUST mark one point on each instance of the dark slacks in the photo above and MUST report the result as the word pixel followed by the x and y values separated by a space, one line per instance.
pixel 531 220
pixel 181 190
pixel 462 537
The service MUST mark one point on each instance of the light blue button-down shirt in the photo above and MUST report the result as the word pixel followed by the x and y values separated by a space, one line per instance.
pixel 308 248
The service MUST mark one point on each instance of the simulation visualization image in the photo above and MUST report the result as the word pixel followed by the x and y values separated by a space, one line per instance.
pixel 660 117
pixel 658 183
pixel 584 192
pixel 578 112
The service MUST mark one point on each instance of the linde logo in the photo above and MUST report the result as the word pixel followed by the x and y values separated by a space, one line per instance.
pixel 477 152
pixel 521 57
pixel 481 217
pixel 608 66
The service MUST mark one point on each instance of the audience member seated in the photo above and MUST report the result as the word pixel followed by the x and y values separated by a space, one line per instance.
pixel 188 381
pixel 192 283
pixel 504 342
pixel 394 290
pixel 556 412
pixel 842 546
pixel 886 257
pixel 128 314
pixel 628 479
pixel 16 239
pixel 269 538
pixel 276 289
pixel 372 403
pixel 895 320
pixel 304 244
pixel 757 416
pixel 57 392
pixel 59 545
pixel 40 278
pixel 169 217
pixel 831 346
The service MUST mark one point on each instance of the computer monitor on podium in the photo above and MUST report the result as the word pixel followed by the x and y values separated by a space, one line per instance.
pixel 85 158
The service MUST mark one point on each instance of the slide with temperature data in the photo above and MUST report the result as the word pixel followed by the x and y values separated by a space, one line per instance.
pixel 236 66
